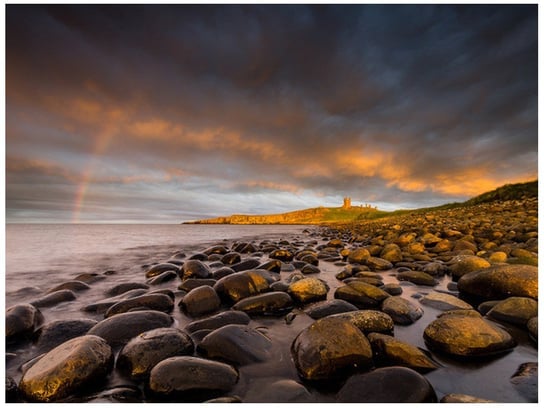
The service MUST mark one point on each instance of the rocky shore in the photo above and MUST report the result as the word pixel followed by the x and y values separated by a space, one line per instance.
pixel 391 310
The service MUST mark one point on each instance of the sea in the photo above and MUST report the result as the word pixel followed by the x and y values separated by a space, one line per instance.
pixel 40 255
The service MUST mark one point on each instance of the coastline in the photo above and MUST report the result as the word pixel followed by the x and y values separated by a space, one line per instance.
pixel 391 255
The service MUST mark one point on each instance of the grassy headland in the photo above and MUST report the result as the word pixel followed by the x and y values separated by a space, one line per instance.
pixel 331 215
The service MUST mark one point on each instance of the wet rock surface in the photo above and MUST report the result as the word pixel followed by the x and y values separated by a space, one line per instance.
pixel 271 332
pixel 467 336
pixel 146 350
pixel 67 368
pixel 195 377
pixel 389 384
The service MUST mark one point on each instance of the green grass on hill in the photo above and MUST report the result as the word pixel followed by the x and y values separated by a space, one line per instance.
pixel 507 192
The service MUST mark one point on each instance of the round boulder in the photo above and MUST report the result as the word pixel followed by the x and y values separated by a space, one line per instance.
pixel 219 320
pixel 70 367
pixel 515 310
pixel 390 351
pixel 241 285
pixel 367 321
pixel 283 255
pixel 54 298
pixel 417 277
pixel 235 343
pixel 158 269
pixel 443 301
pixel 182 375
pixel 308 290
pixel 329 307
pixel 194 268
pixel 318 355
pixel 463 264
pixel 57 332
pixel 143 352
pixel 391 253
pixel 361 294
pixel 154 301
pixel 119 329
pixel 200 301
pixel 402 311
pixel 467 336
pixel 388 384
pixel 378 264
pixel 21 320
pixel 271 303
pixel 358 256
pixel 501 281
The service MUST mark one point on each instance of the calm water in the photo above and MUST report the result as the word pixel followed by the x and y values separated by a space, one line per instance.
pixel 39 254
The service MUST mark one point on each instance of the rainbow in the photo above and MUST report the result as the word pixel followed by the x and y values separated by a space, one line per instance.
pixel 101 144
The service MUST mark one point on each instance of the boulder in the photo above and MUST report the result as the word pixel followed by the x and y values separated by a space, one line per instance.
pixel 361 294
pixel 156 301
pixel 271 303
pixel 235 343
pixel 194 268
pixel 515 310
pixel 525 381
pixel 463 399
pixel 190 284
pixel 57 332
pixel 391 253
pixel 501 281
pixel 329 307
pixel 200 301
pixel 463 264
pixel 402 311
pixel 467 336
pixel 318 355
pixel 163 277
pixel 388 384
pixel 21 321
pixel 358 256
pixel 119 329
pixel 417 277
pixel 388 351
pixel 283 255
pixel 70 367
pixel 367 321
pixel 143 352
pixel 231 258
pixel 125 287
pixel 308 290
pixel 54 298
pixel 378 264
pixel 159 269
pixel 279 391
pixel 241 285
pixel 443 301
pixel 74 286
pixel 198 377
pixel 218 320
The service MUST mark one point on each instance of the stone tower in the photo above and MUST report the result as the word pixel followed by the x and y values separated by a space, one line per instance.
pixel 347 203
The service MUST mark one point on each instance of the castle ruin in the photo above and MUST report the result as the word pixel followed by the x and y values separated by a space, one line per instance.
pixel 347 203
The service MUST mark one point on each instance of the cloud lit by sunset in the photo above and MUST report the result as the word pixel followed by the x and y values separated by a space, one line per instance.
pixel 179 112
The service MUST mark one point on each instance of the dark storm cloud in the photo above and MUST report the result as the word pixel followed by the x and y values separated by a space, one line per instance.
pixel 405 104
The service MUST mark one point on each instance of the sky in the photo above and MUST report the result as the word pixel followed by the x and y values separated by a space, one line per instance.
pixel 162 114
